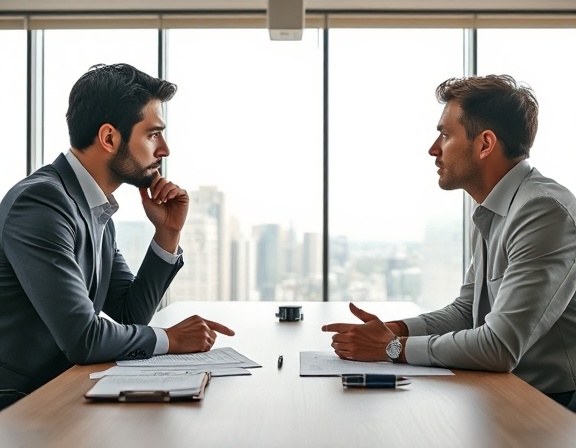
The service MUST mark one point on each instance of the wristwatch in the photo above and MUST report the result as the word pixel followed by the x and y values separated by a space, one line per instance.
pixel 394 348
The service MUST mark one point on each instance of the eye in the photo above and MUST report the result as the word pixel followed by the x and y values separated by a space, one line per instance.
pixel 155 135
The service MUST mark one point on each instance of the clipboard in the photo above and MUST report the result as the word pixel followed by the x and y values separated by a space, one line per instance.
pixel 150 388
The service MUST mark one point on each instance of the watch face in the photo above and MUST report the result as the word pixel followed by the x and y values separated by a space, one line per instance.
pixel 394 348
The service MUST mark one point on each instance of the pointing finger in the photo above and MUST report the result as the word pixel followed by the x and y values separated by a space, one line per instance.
pixel 219 328
pixel 339 328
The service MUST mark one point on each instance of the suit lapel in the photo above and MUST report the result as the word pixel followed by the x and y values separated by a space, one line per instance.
pixel 74 190
pixel 107 259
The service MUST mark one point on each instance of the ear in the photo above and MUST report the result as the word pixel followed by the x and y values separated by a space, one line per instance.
pixel 108 137
pixel 487 140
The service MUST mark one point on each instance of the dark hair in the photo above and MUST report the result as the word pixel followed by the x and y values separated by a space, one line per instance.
pixel 497 103
pixel 114 94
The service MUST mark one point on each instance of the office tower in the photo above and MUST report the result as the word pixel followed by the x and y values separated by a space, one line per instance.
pixel 403 276
pixel 339 256
pixel 133 239
pixel 311 255
pixel 442 278
pixel 339 252
pixel 240 266
pixel 205 275
pixel 291 250
pixel 395 279
pixel 268 260
pixel 312 266
pixel 290 286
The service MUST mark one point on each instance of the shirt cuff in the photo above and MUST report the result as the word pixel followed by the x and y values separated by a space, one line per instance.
pixel 164 254
pixel 161 341
pixel 416 326
pixel 416 350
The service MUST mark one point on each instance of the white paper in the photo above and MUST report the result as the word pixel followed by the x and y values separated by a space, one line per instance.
pixel 177 385
pixel 225 356
pixel 329 364
pixel 165 371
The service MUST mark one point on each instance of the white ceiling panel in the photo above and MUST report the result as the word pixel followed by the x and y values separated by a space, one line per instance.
pixel 216 5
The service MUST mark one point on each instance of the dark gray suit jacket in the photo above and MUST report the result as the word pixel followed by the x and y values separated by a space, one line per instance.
pixel 49 296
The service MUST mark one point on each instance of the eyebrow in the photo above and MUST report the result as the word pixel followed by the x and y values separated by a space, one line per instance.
pixel 156 128
pixel 440 127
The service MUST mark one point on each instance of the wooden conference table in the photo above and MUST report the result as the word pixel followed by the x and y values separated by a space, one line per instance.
pixel 278 408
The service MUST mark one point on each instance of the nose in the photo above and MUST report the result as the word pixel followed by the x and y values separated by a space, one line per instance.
pixel 434 149
pixel 162 150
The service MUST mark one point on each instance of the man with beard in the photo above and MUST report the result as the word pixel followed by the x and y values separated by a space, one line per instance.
pixel 59 264
pixel 516 311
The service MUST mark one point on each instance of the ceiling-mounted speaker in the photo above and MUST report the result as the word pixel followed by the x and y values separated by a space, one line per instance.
pixel 285 19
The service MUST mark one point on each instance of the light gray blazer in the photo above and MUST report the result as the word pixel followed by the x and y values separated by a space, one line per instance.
pixel 49 297
pixel 531 270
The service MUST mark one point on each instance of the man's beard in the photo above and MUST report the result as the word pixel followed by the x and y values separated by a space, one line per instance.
pixel 461 175
pixel 125 169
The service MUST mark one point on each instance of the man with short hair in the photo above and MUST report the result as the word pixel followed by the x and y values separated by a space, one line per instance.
pixel 59 264
pixel 516 311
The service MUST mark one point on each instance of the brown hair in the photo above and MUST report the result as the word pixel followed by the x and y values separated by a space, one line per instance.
pixel 497 103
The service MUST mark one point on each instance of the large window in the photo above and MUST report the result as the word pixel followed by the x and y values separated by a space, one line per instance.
pixel 69 54
pixel 246 134
pixel 543 59
pixel 245 131
pixel 394 235
pixel 13 110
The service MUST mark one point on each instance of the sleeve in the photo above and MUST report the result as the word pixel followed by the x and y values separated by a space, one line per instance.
pixel 162 342
pixel 41 238
pixel 133 299
pixel 165 255
pixel 537 285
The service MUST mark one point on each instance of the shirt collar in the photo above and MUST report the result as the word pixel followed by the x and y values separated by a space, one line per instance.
pixel 92 192
pixel 499 199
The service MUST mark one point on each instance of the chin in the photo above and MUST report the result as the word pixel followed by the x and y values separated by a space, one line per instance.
pixel 146 181
pixel 447 186
pixel 442 183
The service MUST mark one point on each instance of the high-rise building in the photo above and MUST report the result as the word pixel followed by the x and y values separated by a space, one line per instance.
pixel 311 255
pixel 205 275
pixel 441 279
pixel 267 239
pixel 133 239
pixel 339 268
pixel 240 264
pixel 312 266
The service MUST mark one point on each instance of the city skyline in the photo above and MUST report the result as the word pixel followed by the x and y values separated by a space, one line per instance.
pixel 281 263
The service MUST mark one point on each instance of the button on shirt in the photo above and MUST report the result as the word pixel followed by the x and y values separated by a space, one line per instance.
pixel 102 209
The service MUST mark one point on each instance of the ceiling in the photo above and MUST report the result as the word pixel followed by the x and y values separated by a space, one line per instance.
pixel 29 6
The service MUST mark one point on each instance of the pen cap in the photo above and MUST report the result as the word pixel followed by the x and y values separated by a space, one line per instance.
pixel 291 313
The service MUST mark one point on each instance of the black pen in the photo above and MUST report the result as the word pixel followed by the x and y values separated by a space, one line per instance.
pixel 373 380
pixel 280 361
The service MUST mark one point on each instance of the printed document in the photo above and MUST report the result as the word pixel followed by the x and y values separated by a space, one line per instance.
pixel 219 357
pixel 329 364
pixel 168 371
